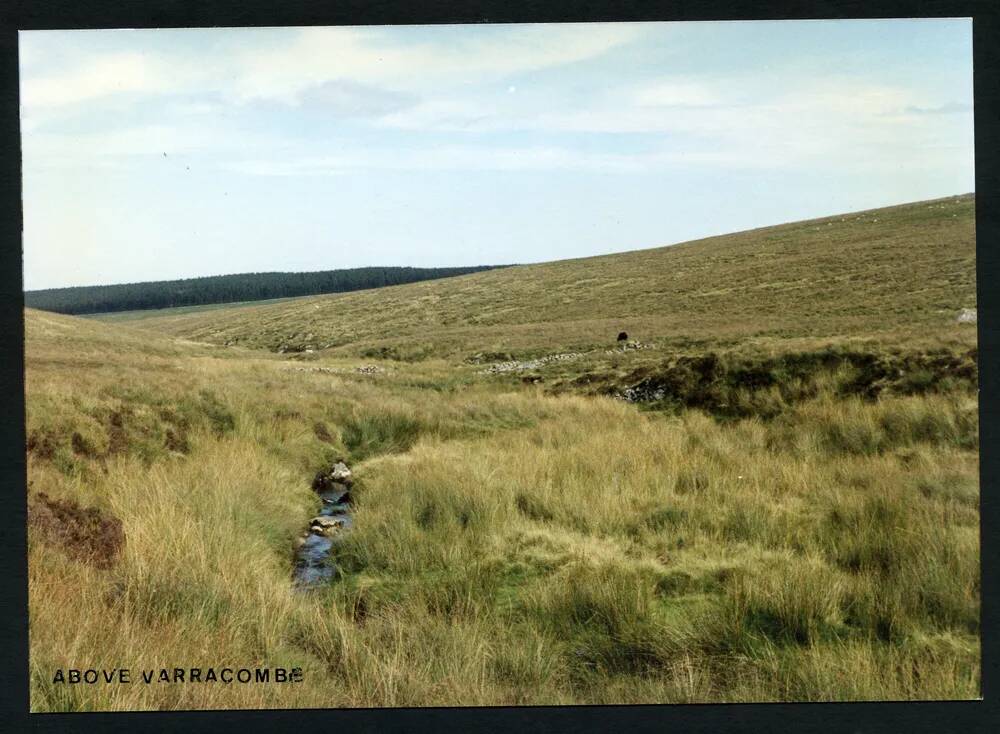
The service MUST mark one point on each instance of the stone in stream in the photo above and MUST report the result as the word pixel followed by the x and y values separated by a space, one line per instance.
pixel 323 521
pixel 340 473
pixel 313 548
pixel 327 524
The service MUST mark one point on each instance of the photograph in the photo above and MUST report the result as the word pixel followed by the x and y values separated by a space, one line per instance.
pixel 500 364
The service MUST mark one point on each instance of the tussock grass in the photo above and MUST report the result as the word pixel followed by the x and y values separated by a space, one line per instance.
pixel 508 547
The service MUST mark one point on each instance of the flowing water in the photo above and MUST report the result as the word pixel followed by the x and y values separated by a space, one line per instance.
pixel 313 562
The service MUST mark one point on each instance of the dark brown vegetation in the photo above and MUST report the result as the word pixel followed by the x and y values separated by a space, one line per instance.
pixel 86 534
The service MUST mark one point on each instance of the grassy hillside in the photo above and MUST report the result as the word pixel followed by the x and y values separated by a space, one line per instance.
pixel 762 503
pixel 900 271
pixel 147 313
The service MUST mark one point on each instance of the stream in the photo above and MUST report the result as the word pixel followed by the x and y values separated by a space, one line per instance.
pixel 315 546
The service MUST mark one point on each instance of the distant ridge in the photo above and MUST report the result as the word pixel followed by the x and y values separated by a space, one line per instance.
pixel 229 288
pixel 904 269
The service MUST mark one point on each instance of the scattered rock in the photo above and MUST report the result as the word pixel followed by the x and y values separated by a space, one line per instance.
pixel 368 369
pixel 327 525
pixel 483 357
pixel 293 348
pixel 340 474
pixel 628 347
pixel 335 479
pixel 530 364
pixel 312 549
pixel 967 316
pixel 641 394
pixel 325 521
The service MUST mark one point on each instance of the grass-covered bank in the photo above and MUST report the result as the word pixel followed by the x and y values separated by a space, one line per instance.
pixel 608 557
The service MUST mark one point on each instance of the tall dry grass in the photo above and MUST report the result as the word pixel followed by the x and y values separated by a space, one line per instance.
pixel 510 547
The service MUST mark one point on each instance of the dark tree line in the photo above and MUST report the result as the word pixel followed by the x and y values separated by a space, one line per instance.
pixel 228 288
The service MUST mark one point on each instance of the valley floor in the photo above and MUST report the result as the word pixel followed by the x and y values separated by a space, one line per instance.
pixel 801 525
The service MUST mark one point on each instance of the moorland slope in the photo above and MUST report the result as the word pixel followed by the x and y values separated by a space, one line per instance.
pixel 773 496
pixel 901 271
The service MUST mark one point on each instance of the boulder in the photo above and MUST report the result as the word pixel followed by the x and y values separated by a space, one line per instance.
pixel 337 478
pixel 340 474
pixel 324 525
pixel 324 521
pixel 967 316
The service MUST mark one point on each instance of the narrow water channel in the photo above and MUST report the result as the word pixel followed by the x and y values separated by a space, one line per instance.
pixel 314 548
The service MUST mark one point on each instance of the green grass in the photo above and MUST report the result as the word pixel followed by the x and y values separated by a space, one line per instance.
pixel 138 315
pixel 796 518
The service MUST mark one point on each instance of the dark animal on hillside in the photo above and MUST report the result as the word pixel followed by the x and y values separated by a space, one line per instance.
pixel 622 337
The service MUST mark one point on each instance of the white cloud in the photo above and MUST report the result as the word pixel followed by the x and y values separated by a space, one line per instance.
pixel 318 56
pixel 370 55
pixel 448 157
pixel 444 81
pixel 875 128
pixel 350 99
pixel 836 121
pixel 676 93
pixel 112 149
pixel 99 77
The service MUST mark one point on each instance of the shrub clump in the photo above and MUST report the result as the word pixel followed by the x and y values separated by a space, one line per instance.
pixel 86 534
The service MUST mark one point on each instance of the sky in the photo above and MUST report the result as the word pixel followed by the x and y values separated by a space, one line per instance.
pixel 161 154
